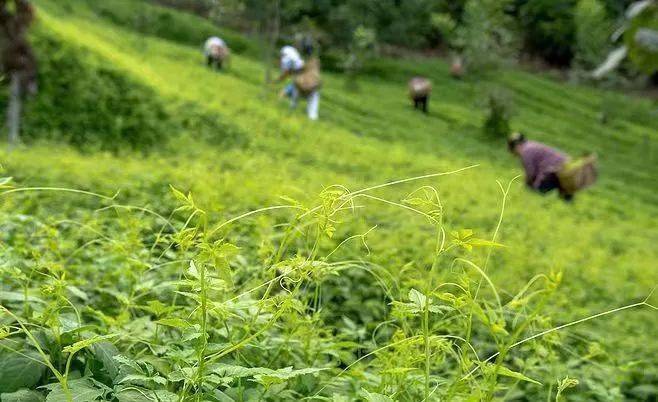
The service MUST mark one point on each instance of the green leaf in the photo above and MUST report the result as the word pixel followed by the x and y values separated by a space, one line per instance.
pixel 504 371
pixel 142 379
pixel 178 194
pixel 417 298
pixel 23 395
pixel 4 182
pixel 134 394
pixel 282 375
pixel 228 370
pixel 78 292
pixel 564 384
pixel 375 397
pixel 173 322
pixel 123 360
pixel 18 371
pixel 86 343
pixel 484 243
pixel 105 352
pixel 81 390
pixel 192 270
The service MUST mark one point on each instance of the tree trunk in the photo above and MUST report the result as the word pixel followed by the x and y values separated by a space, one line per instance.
pixel 14 110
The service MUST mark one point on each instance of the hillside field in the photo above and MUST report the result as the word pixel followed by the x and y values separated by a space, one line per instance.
pixel 171 233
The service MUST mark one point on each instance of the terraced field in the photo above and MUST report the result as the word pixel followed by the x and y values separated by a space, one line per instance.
pixel 302 289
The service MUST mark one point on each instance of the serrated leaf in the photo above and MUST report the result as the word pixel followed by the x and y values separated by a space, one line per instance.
pixel 417 299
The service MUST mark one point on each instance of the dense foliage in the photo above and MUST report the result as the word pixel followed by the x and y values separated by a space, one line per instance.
pixel 431 288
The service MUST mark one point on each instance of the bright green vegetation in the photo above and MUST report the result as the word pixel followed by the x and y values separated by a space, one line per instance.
pixel 150 294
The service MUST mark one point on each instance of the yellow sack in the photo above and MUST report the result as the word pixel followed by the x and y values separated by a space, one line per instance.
pixel 578 174
pixel 308 80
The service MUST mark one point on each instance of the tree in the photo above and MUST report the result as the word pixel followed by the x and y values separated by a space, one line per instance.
pixel 549 29
pixel 17 60
pixel 593 31
pixel 361 47
pixel 639 34
pixel 486 36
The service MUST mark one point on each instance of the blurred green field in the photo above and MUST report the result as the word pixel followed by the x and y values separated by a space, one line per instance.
pixel 252 150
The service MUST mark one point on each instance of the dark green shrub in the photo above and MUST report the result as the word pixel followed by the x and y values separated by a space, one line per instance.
pixel 209 127
pixel 497 123
pixel 176 26
pixel 84 101
pixel 549 29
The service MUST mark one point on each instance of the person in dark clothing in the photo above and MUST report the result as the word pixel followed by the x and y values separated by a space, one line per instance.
pixel 421 103
pixel 420 89
pixel 541 164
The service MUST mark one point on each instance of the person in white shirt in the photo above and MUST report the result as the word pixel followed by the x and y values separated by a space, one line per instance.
pixel 215 51
pixel 292 64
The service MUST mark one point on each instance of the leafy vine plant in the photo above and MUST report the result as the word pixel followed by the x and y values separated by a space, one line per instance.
pixel 251 309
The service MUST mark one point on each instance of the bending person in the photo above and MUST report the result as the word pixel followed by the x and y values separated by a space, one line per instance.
pixel 305 83
pixel 216 52
pixel 541 164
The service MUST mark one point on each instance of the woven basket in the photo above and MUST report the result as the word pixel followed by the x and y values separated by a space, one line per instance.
pixel 578 174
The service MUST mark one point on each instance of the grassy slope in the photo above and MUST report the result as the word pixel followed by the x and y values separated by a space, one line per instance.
pixel 605 243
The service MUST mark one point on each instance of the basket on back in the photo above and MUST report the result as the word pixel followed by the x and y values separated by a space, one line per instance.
pixel 308 80
pixel 578 174
pixel 220 53
pixel 419 87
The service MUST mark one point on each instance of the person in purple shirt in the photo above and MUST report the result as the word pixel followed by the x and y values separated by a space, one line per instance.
pixel 541 164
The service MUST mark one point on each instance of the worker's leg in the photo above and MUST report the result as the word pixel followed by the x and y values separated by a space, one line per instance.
pixel 294 95
pixel 313 106
pixel 550 183
pixel 423 103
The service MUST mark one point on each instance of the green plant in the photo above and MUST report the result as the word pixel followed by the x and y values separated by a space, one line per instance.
pixel 497 122
pixel 593 30
pixel 353 329
pixel 486 38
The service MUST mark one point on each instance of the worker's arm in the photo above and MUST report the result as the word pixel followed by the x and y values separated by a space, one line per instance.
pixel 284 74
